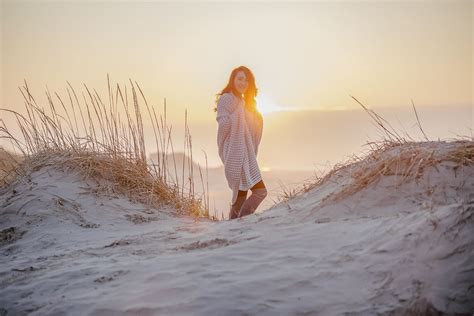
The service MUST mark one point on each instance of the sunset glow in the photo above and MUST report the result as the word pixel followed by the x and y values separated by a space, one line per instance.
pixel 393 52
pixel 265 105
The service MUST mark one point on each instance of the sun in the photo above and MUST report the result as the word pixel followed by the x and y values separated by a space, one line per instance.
pixel 265 105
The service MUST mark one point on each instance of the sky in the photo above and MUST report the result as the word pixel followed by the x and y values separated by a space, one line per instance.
pixel 306 56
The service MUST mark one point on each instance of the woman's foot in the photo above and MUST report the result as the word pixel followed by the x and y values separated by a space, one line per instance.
pixel 234 211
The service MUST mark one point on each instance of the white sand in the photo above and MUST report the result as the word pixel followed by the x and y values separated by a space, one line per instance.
pixel 78 251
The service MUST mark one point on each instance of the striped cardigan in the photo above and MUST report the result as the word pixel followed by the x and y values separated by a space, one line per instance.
pixel 238 137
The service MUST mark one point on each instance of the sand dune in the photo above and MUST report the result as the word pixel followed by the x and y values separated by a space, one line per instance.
pixel 354 244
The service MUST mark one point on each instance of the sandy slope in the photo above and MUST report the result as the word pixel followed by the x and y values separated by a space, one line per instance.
pixel 78 248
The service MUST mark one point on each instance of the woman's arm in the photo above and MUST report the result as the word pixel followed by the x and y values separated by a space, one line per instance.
pixel 224 111
pixel 226 118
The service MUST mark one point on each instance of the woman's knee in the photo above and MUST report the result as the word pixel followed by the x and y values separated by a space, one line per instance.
pixel 260 192
pixel 265 192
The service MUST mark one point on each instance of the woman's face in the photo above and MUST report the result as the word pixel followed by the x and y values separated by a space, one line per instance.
pixel 240 82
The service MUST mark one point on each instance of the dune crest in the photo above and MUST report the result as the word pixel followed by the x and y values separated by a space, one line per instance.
pixel 360 241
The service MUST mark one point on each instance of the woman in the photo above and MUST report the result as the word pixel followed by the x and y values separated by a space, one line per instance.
pixel 238 137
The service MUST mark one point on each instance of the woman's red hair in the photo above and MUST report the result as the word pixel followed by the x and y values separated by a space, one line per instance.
pixel 250 93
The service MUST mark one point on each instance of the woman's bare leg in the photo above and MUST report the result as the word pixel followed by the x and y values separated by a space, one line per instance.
pixel 234 211
pixel 259 192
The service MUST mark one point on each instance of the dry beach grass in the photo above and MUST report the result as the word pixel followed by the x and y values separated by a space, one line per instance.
pixel 8 165
pixel 93 139
pixel 393 154
pixel 102 145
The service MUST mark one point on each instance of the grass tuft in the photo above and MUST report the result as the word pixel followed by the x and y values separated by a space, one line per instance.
pixel 392 154
pixel 102 142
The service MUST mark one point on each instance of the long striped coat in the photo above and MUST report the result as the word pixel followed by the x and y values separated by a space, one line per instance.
pixel 238 138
